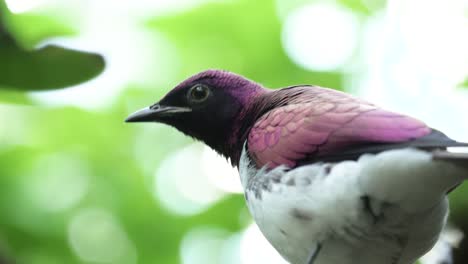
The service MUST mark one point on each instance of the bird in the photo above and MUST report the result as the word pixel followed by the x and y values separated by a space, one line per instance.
pixel 328 178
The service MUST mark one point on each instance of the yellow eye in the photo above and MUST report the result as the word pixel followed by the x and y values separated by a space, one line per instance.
pixel 198 93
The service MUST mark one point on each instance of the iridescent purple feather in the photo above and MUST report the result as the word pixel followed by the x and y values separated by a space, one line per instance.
pixel 322 121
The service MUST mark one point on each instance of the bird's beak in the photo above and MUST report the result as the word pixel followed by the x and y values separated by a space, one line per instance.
pixel 154 113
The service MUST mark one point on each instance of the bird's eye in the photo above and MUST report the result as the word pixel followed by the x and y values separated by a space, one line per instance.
pixel 198 93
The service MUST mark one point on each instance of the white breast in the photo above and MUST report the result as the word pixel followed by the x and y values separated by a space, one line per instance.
pixel 369 211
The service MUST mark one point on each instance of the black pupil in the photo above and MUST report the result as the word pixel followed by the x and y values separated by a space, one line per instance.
pixel 199 93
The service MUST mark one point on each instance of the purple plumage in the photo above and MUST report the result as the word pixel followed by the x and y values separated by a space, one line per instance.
pixel 322 121
pixel 331 204
pixel 237 86
pixel 289 126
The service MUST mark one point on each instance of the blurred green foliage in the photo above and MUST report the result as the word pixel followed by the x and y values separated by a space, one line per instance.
pixel 48 67
pixel 44 65
pixel 465 83
pixel 242 36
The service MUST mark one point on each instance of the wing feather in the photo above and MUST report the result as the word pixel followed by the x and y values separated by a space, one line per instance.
pixel 328 125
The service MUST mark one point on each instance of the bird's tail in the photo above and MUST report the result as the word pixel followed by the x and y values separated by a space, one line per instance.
pixel 457 158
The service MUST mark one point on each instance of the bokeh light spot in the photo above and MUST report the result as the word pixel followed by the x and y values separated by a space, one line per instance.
pixel 95 236
pixel 57 182
pixel 203 246
pixel 220 172
pixel 181 184
pixel 20 6
pixel 263 252
pixel 320 36
pixel 425 35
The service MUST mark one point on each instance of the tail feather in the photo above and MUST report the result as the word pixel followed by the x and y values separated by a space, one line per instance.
pixel 458 158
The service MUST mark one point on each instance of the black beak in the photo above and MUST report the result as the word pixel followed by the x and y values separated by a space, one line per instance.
pixel 154 113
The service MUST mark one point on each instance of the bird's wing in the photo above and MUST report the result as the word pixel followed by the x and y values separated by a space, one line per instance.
pixel 333 130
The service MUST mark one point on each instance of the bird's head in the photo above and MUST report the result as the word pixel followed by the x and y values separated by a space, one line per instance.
pixel 207 106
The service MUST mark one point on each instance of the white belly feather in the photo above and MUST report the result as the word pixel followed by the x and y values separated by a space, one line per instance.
pixel 387 208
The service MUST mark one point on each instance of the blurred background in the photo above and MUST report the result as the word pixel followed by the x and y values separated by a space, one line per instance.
pixel 78 185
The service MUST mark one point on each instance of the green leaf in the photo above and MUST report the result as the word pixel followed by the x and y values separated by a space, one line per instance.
pixel 49 67
pixel 7 95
